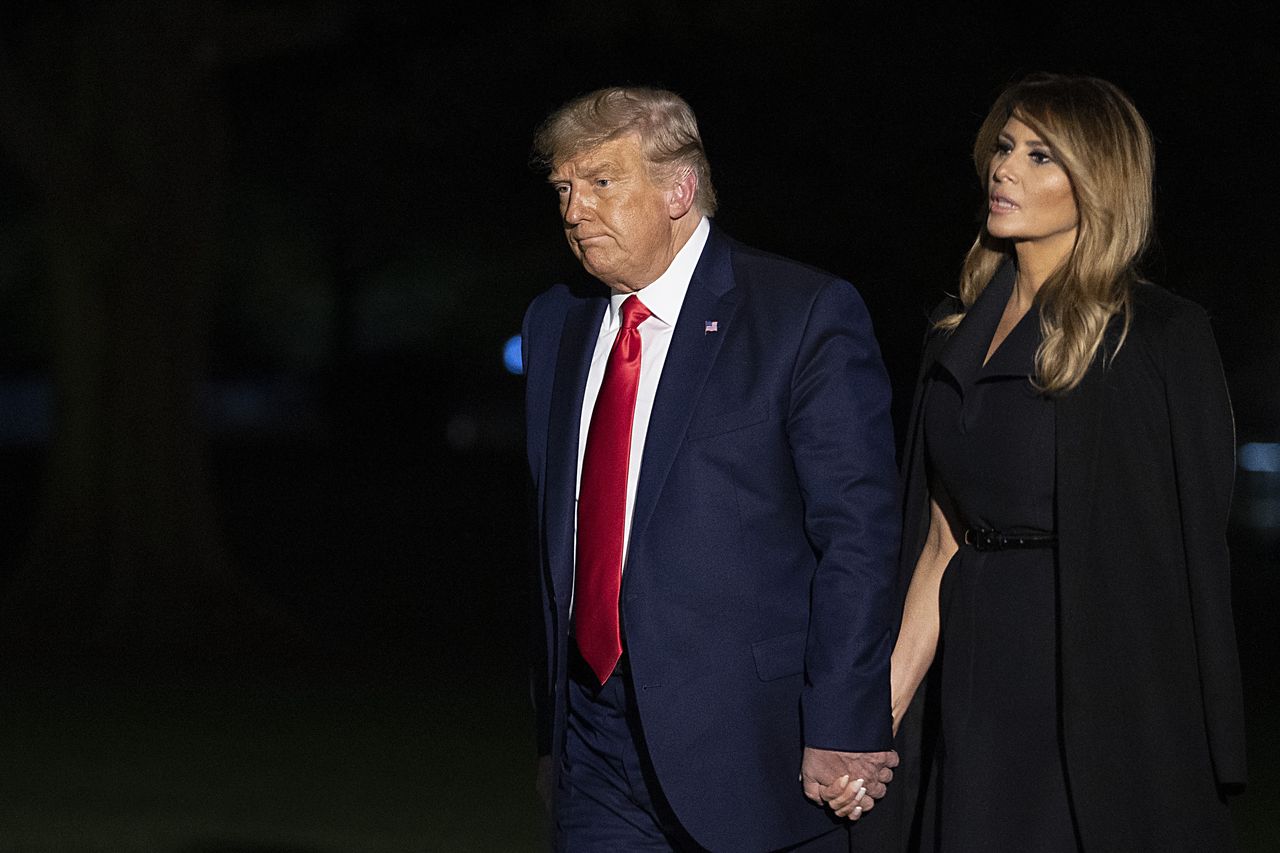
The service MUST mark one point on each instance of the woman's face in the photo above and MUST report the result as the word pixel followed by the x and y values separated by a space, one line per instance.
pixel 1029 193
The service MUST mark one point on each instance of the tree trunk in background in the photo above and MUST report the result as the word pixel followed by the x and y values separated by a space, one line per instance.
pixel 120 125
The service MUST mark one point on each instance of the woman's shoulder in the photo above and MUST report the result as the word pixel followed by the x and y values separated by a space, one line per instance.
pixel 1158 312
pixel 1162 319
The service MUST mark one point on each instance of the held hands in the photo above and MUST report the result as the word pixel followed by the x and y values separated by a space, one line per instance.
pixel 849 783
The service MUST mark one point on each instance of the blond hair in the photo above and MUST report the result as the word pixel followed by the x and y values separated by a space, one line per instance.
pixel 1096 133
pixel 663 121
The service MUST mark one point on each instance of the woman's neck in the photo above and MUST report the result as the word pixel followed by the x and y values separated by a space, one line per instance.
pixel 1037 260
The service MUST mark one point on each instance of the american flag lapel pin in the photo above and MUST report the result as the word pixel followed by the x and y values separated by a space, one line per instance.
pixel 711 326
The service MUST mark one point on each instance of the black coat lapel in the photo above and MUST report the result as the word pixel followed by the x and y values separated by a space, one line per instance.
pixel 963 353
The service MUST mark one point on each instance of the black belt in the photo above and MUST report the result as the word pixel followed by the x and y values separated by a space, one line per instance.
pixel 983 539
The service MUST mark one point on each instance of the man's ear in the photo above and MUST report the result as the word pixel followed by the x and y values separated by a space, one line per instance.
pixel 680 196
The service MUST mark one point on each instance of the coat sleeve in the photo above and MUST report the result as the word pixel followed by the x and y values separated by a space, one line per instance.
pixel 1203 440
pixel 537 609
pixel 841 437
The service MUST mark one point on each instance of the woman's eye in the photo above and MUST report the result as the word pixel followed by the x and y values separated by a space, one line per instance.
pixel 1003 147
pixel 1040 157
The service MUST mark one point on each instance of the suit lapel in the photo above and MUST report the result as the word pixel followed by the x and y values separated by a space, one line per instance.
pixel 693 351
pixel 577 342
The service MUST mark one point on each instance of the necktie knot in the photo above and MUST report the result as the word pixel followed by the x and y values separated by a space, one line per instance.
pixel 633 312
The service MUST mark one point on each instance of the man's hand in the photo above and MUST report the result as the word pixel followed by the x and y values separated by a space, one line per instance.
pixel 847 782
pixel 542 781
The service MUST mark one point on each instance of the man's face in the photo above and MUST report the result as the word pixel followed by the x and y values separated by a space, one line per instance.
pixel 618 222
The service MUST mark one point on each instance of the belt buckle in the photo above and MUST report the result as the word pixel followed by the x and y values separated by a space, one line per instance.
pixel 983 539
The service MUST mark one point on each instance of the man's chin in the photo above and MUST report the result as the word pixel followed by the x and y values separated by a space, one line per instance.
pixel 601 271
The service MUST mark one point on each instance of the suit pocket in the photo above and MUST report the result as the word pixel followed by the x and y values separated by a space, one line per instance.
pixel 721 423
pixel 779 657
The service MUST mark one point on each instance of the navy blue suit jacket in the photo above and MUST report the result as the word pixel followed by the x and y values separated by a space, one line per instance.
pixel 757 594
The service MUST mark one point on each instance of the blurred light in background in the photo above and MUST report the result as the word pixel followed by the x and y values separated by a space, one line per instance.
pixel 26 411
pixel 272 405
pixel 1260 457
pixel 511 356
pixel 1257 497
pixel 268 405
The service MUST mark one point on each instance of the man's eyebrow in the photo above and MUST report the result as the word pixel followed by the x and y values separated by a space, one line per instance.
pixel 592 170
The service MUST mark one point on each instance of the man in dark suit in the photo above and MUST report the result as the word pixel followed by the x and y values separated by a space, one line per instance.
pixel 712 451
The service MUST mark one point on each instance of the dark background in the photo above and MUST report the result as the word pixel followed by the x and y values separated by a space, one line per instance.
pixel 262 553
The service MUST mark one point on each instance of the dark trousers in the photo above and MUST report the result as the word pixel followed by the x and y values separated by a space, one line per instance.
pixel 609 798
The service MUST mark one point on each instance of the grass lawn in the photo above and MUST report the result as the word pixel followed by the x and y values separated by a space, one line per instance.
pixel 310 762
pixel 304 762
pixel 431 753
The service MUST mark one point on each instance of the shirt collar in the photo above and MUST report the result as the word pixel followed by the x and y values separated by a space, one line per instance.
pixel 665 295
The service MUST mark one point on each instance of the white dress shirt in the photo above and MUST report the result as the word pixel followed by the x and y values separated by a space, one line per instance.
pixel 663 298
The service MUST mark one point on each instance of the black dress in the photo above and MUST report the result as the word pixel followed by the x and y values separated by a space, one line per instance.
pixel 999 783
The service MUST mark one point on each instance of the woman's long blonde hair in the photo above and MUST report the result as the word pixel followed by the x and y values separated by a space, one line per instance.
pixel 1096 133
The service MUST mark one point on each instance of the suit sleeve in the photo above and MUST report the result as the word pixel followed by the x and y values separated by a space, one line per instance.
pixel 1203 439
pixel 840 429
pixel 535 590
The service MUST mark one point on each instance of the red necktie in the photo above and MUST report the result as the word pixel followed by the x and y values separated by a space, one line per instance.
pixel 602 499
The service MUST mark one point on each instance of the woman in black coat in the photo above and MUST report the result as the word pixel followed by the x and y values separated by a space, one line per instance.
pixel 1069 468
